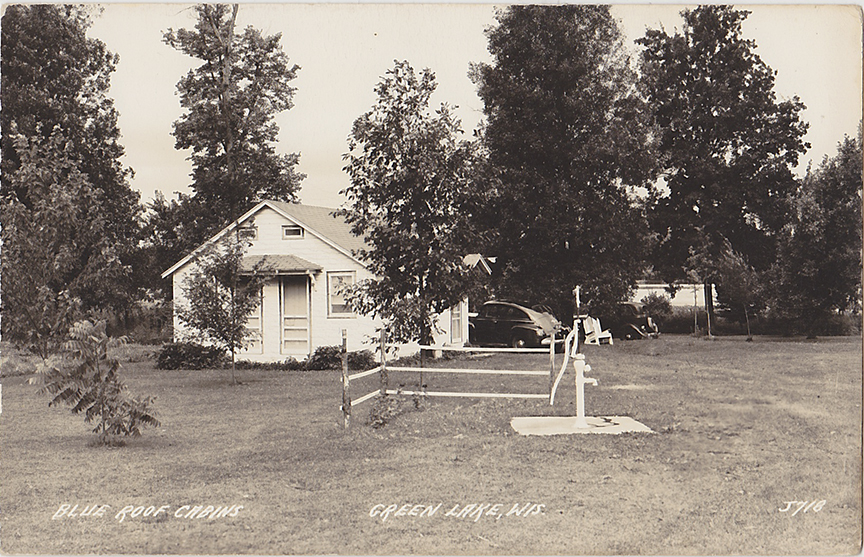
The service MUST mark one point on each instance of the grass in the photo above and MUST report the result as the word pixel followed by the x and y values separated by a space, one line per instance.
pixel 741 428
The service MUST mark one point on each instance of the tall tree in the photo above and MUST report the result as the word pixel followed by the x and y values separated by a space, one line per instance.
pixel 566 138
pixel 727 144
pixel 409 176
pixel 231 100
pixel 69 216
pixel 818 268
pixel 53 75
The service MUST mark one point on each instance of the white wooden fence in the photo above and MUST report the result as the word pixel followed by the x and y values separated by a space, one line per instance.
pixel 383 369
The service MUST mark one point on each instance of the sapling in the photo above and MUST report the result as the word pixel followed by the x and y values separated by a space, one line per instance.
pixel 85 378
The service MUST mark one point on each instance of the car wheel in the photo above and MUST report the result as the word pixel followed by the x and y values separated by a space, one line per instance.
pixel 518 342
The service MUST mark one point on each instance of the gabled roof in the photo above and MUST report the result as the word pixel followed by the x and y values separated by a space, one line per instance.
pixel 477 260
pixel 322 221
pixel 318 221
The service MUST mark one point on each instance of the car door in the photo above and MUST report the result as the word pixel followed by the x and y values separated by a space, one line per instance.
pixel 483 324
pixel 499 324
pixel 514 323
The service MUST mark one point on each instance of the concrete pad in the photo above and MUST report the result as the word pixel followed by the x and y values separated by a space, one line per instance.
pixel 564 425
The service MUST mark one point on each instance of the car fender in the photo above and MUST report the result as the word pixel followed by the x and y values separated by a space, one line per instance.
pixel 537 332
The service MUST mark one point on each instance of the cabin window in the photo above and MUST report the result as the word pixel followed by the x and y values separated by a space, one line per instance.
pixel 248 232
pixel 456 323
pixel 253 324
pixel 291 231
pixel 337 283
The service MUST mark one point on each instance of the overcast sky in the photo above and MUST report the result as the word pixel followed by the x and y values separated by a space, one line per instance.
pixel 343 50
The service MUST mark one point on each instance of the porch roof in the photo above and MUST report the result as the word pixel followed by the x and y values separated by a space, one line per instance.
pixel 279 264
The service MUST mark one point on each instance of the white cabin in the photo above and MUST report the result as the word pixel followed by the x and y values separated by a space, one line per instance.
pixel 312 254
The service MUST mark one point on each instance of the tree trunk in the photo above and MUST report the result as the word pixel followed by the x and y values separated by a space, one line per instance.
pixel 709 305
pixel 227 43
pixel 695 312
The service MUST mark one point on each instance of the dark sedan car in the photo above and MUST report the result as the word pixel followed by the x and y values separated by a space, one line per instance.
pixel 506 323
pixel 630 321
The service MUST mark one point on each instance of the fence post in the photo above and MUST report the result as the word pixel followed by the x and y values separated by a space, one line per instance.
pixel 346 394
pixel 383 373
pixel 551 364
pixel 422 362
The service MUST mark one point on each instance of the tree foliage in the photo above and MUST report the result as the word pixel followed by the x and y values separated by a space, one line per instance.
pixel 409 179
pixel 69 216
pixel 566 139
pixel 54 76
pixel 727 144
pixel 87 380
pixel 221 293
pixel 173 228
pixel 230 101
pixel 818 268
pixel 740 286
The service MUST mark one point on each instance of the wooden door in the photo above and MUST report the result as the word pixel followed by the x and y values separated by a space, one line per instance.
pixel 295 315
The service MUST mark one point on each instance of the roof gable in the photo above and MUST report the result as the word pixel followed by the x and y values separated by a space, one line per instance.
pixel 319 221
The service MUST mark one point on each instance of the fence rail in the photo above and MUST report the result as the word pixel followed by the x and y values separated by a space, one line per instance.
pixel 475 371
pixel 382 370
pixel 364 373
pixel 487 349
pixel 467 395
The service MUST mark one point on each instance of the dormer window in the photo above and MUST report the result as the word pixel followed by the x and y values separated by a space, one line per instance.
pixel 291 231
pixel 249 232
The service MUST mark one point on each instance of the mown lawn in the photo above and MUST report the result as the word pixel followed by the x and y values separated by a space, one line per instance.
pixel 741 429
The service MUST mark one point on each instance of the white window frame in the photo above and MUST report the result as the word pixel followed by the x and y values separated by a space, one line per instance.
pixel 257 345
pixel 245 231
pixel 456 316
pixel 286 227
pixel 330 294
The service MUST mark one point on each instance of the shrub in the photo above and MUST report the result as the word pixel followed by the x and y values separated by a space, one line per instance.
pixel 330 357
pixel 188 355
pixel 681 321
pixel 87 380
pixel 384 409
pixel 658 307
pixel 833 324
pixel 767 323
pixel 17 362
pixel 288 364
pixel 131 353
pixel 361 360
pixel 817 324
pixel 325 357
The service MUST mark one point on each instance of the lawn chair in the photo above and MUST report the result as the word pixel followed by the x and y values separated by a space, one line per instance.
pixel 594 333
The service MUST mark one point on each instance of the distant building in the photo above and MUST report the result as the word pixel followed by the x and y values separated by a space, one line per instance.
pixel 686 296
